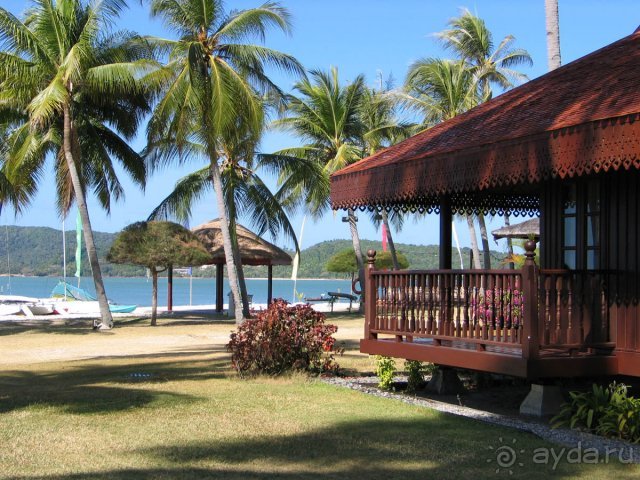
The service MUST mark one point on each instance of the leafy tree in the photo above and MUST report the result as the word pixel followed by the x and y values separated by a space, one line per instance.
pixel 71 89
pixel 157 246
pixel 212 82
pixel 345 262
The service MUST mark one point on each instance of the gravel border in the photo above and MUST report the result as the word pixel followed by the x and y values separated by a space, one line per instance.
pixel 561 436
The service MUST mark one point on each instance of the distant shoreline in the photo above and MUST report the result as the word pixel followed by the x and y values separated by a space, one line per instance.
pixel 72 278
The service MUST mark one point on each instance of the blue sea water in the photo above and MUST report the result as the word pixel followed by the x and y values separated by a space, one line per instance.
pixel 138 290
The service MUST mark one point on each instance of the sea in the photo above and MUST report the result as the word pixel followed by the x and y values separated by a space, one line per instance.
pixel 186 291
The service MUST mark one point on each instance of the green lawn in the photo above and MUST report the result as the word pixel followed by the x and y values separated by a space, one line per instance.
pixel 186 415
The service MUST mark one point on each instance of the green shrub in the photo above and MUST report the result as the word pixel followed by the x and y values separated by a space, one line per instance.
pixel 284 338
pixel 607 411
pixel 385 369
pixel 415 375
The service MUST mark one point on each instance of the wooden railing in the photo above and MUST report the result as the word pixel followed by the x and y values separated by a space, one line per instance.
pixel 574 310
pixel 525 309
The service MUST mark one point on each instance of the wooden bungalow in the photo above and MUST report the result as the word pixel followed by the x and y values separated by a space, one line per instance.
pixel 564 147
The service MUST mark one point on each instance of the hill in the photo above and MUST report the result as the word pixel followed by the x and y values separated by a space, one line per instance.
pixel 37 251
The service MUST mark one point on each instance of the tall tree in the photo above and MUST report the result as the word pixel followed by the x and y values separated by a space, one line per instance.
pixel 381 128
pixel 471 40
pixel 552 21
pixel 71 88
pixel 211 81
pixel 325 115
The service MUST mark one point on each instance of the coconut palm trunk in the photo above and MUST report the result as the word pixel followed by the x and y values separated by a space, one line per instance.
pixel 242 284
pixel 486 252
pixel 507 223
pixel 552 21
pixel 105 314
pixel 392 246
pixel 474 242
pixel 355 239
pixel 232 272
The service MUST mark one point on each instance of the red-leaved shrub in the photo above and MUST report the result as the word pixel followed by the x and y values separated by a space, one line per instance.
pixel 284 338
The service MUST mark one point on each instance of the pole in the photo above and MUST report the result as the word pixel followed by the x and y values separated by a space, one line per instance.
pixel 296 261
pixel 64 259
pixel 170 288
pixel 190 286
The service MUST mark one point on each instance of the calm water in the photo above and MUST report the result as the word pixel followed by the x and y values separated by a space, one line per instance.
pixel 138 290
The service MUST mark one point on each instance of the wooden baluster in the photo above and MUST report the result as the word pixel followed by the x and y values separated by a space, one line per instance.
pixel 412 302
pixel 455 305
pixel 429 304
pixel 547 309
pixel 465 306
pixel 448 312
pixel 422 302
pixel 478 315
pixel 500 314
pixel 558 332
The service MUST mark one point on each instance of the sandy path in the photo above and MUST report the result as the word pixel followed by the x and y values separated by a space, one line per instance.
pixel 37 344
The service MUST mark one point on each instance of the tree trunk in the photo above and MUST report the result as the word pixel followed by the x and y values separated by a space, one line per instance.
pixel 154 296
pixel 355 238
pixel 105 314
pixel 474 242
pixel 239 269
pixel 486 252
pixel 552 20
pixel 509 243
pixel 392 246
pixel 232 272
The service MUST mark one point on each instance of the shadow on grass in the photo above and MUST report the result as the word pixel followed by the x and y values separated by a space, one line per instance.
pixel 438 446
pixel 103 389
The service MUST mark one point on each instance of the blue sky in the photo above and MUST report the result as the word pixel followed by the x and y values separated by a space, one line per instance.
pixel 368 37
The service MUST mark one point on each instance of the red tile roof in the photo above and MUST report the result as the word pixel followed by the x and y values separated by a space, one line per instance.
pixel 578 119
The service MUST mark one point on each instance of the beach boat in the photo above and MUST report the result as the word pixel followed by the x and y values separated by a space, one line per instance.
pixel 30 306
pixel 70 299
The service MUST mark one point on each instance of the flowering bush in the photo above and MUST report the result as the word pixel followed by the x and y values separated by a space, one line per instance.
pixel 487 304
pixel 284 338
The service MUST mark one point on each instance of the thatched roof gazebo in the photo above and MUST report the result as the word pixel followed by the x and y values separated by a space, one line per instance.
pixel 253 251
pixel 523 230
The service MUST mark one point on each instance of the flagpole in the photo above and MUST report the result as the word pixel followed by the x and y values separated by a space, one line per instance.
pixel 64 259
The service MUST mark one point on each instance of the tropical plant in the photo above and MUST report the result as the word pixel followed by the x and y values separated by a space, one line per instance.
pixel 385 370
pixel 284 338
pixel 325 115
pixel 213 82
pixel 71 89
pixel 442 89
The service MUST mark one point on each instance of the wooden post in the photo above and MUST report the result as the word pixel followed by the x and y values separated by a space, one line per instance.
pixel 530 331
pixel 270 286
pixel 370 297
pixel 170 288
pixel 219 287
pixel 445 233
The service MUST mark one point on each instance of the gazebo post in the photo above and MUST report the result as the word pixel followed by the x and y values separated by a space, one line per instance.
pixel 445 233
pixel 270 285
pixel 219 287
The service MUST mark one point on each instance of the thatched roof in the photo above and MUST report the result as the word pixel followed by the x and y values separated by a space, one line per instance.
pixel 253 249
pixel 522 230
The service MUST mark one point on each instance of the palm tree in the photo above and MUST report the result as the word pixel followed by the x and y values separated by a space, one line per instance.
pixel 326 116
pixel 211 81
pixel 246 195
pixel 471 40
pixel 552 21
pixel 381 129
pixel 72 89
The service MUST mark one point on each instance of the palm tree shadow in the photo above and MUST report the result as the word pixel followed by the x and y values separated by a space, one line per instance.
pixel 102 389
